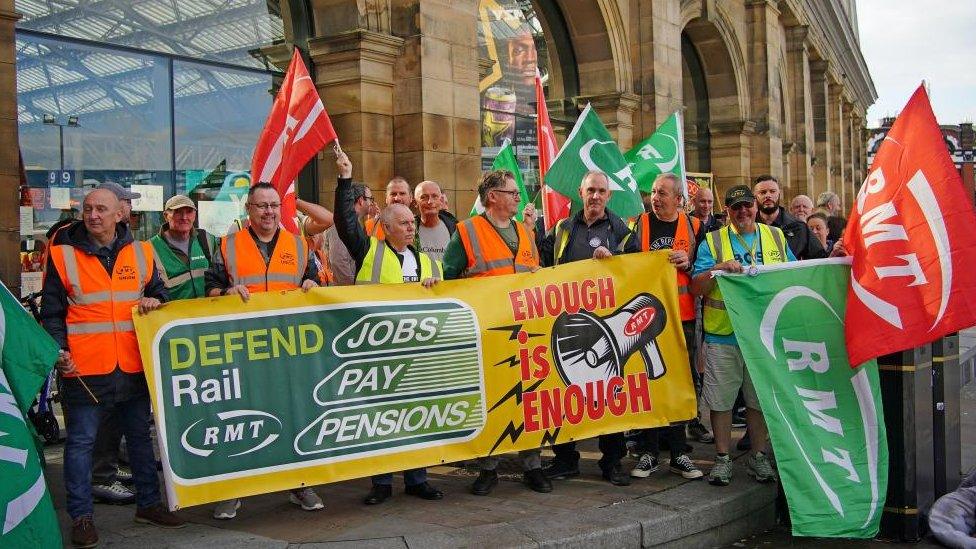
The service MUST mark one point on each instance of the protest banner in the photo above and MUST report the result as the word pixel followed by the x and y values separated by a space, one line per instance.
pixel 825 419
pixel 297 388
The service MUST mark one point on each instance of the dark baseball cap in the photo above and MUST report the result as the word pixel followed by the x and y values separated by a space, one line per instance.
pixel 739 194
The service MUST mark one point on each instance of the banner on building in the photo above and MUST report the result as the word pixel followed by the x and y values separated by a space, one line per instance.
pixel 825 418
pixel 297 388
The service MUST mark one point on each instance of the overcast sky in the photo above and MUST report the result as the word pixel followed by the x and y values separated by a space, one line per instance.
pixel 907 41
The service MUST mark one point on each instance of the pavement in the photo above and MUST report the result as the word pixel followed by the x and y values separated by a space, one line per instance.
pixel 585 511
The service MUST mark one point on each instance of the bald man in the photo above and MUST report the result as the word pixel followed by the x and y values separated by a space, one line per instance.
pixel 434 225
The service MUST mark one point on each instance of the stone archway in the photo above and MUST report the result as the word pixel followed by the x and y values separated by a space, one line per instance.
pixel 722 65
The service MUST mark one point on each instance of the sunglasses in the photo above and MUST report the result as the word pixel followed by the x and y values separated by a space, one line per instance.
pixel 741 205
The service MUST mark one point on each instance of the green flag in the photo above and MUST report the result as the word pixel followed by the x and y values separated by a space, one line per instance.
pixel 825 418
pixel 505 160
pixel 29 353
pixel 589 147
pixel 662 152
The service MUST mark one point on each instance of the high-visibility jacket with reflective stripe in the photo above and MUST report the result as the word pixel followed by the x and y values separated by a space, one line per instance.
pixel 773 245
pixel 326 278
pixel 374 228
pixel 684 239
pixel 381 265
pixel 487 253
pixel 99 318
pixel 182 281
pixel 245 264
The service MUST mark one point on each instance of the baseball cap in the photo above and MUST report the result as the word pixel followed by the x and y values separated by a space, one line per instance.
pixel 178 201
pixel 738 194
pixel 119 191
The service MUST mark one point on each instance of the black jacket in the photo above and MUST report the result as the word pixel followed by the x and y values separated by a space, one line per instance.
pixel 618 232
pixel 350 230
pixel 798 236
pixel 117 386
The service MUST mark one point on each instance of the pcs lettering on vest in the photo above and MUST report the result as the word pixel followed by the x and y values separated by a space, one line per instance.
pixel 227 349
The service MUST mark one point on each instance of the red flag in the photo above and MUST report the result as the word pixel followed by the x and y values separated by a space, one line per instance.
pixel 911 235
pixel 554 205
pixel 297 128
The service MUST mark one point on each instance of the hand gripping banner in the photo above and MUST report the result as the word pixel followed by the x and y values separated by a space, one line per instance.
pixel 293 388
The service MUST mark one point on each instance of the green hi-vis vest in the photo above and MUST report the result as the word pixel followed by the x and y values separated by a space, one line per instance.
pixel 381 265
pixel 184 281
pixel 773 245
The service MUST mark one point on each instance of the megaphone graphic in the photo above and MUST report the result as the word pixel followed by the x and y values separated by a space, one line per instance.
pixel 589 348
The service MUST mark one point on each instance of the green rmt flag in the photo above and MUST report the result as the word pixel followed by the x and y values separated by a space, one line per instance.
pixel 505 160
pixel 590 147
pixel 662 152
pixel 28 355
pixel 825 418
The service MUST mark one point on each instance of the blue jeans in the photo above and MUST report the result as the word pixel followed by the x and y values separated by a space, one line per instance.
pixel 411 477
pixel 83 421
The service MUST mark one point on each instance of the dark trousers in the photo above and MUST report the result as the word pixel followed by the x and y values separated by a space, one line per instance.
pixel 612 446
pixel 82 424
pixel 411 477
pixel 649 440
pixel 106 452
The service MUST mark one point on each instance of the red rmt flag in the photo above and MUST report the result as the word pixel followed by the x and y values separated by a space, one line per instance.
pixel 912 234
pixel 297 129
pixel 554 205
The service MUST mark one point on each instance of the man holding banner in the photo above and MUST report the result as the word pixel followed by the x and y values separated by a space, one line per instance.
pixel 736 248
pixel 261 258
pixel 493 244
pixel 668 227
pixel 393 260
pixel 593 233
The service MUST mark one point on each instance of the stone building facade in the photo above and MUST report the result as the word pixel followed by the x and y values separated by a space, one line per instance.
pixel 765 86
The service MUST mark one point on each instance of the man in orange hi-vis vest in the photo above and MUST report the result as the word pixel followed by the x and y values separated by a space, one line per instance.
pixel 95 276
pixel 493 244
pixel 263 257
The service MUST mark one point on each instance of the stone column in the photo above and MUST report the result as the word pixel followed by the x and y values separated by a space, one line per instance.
pixel 354 76
pixel 9 148
pixel 437 108
pixel 835 125
pixel 966 140
pixel 798 57
pixel 731 153
pixel 656 58
pixel 762 21
pixel 822 136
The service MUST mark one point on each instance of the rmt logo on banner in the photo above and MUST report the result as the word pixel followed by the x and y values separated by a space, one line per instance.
pixel 588 352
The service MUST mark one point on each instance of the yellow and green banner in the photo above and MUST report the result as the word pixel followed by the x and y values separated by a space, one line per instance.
pixel 295 388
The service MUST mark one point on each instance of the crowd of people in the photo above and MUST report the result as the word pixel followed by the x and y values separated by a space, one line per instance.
pixel 96 274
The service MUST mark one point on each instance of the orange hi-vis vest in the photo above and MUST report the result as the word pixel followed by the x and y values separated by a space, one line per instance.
pixel 684 239
pixel 375 229
pixel 488 255
pixel 245 264
pixel 100 330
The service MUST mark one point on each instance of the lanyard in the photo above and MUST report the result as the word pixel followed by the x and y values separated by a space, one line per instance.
pixel 752 250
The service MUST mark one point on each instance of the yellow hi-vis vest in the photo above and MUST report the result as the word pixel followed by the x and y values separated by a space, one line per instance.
pixel 381 265
pixel 773 246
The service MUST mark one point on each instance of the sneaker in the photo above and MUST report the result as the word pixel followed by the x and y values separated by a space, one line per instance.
pixel 114 494
pixel 83 533
pixel 744 443
pixel 646 465
pixel 615 475
pixel 485 483
pixel 758 467
pixel 306 498
pixel 707 438
pixel 536 480
pixel 697 431
pixel 559 470
pixel 124 476
pixel 721 474
pixel 227 509
pixel 682 465
pixel 157 515
pixel 739 418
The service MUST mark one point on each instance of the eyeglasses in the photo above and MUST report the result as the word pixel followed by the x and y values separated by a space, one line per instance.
pixel 513 194
pixel 266 205
pixel 740 205
pixel 368 198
